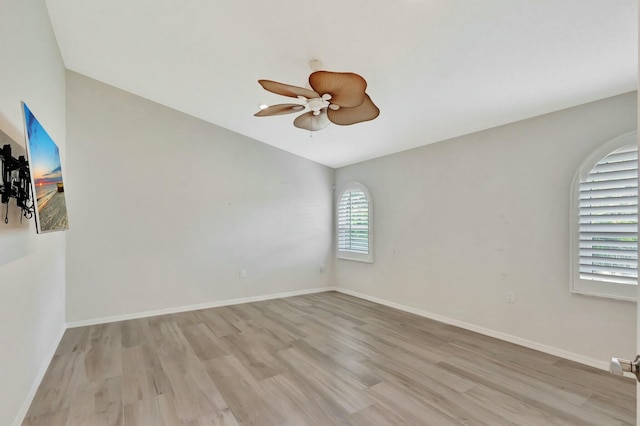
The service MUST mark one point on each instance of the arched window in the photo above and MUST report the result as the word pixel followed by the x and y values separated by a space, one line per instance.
pixel 604 221
pixel 355 223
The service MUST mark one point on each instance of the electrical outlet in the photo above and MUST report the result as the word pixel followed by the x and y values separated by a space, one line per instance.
pixel 511 297
pixel 243 273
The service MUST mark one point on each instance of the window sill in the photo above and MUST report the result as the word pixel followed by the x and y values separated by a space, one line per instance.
pixel 363 259
pixel 625 292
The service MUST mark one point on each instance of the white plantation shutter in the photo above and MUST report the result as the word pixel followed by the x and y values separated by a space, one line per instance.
pixel 354 223
pixel 609 219
pixel 605 221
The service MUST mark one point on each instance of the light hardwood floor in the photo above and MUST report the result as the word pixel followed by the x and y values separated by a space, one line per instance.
pixel 322 359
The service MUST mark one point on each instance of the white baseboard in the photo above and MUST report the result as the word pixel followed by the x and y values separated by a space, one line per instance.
pixel 36 382
pixel 602 365
pixel 216 304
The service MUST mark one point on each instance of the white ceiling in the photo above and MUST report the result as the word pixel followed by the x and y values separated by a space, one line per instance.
pixel 436 68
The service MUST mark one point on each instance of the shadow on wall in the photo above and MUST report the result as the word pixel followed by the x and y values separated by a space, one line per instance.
pixel 14 239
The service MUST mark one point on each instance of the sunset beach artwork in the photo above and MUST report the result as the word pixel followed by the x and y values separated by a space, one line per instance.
pixel 46 176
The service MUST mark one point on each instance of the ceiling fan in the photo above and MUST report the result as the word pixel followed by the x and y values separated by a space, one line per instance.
pixel 334 97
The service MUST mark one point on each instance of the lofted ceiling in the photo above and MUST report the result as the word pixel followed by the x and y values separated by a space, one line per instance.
pixel 436 68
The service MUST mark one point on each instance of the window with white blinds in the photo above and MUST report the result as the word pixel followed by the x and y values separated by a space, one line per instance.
pixel 354 223
pixel 607 223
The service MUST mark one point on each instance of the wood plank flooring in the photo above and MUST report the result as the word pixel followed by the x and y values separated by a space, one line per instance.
pixel 322 359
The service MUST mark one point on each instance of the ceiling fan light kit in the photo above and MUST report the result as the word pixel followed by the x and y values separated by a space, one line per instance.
pixel 334 97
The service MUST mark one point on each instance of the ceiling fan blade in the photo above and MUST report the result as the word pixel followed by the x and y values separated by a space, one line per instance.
pixel 347 116
pixel 308 121
pixel 346 88
pixel 279 110
pixel 287 90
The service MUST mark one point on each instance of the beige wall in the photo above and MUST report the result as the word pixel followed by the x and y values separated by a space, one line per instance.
pixel 460 223
pixel 31 266
pixel 167 209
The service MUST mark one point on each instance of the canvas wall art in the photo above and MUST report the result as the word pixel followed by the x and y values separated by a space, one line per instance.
pixel 46 176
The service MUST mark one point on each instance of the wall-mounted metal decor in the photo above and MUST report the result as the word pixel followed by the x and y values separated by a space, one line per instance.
pixel 15 180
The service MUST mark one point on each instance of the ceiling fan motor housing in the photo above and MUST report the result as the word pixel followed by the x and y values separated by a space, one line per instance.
pixel 318 104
